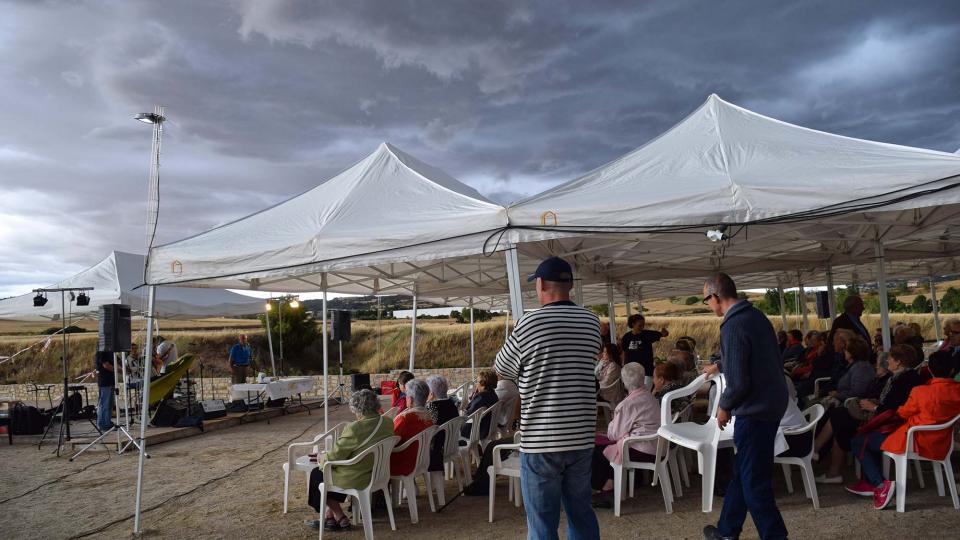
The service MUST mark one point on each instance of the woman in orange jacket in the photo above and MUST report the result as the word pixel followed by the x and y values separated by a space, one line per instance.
pixel 933 403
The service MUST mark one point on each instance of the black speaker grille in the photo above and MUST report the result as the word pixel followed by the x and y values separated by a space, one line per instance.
pixel 341 325
pixel 115 332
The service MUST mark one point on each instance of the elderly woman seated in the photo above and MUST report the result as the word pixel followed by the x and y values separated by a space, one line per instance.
pixel 485 395
pixel 687 363
pixel 369 429
pixel 668 376
pixel 637 414
pixel 442 410
pixel 408 424
pixel 608 375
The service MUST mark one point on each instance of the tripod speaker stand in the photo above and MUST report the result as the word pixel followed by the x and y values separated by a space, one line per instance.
pixel 341 333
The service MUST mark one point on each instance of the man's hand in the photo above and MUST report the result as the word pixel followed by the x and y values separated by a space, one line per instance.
pixel 868 405
pixel 723 418
pixel 664 333
pixel 711 369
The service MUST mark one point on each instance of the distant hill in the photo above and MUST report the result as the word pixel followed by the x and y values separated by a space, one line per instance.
pixel 368 303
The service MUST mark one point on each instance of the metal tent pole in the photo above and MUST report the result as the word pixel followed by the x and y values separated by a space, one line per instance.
pixel 611 313
pixel 802 302
pixel 144 407
pixel 473 363
pixel 578 290
pixel 326 357
pixel 936 308
pixel 783 305
pixel 882 291
pixel 513 280
pixel 627 300
pixel 413 331
pixel 273 364
pixel 640 300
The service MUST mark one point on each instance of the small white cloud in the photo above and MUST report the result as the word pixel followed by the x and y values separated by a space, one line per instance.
pixel 11 153
pixel 73 78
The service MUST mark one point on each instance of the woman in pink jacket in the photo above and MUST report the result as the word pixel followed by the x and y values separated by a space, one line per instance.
pixel 637 414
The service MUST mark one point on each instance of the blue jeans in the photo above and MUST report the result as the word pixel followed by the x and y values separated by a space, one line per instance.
pixel 550 479
pixel 867 449
pixel 751 488
pixel 105 408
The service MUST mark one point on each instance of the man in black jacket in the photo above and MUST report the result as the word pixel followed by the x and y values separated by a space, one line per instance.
pixel 756 394
pixel 850 319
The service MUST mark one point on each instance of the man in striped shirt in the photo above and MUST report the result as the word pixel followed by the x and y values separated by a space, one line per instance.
pixel 550 356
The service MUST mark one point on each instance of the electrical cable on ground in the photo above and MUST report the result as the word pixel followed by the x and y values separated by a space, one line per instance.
pixel 55 480
pixel 198 487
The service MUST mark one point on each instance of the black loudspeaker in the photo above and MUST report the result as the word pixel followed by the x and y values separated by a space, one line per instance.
pixel 115 331
pixel 213 408
pixel 341 325
pixel 823 305
pixel 359 381
pixel 169 412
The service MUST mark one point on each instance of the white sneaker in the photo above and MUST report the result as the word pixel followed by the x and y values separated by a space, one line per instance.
pixel 824 479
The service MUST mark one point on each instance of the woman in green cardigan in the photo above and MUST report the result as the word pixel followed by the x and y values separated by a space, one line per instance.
pixel 369 429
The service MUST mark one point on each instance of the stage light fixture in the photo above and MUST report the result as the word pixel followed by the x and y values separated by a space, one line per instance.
pixel 150 118
pixel 269 306
pixel 294 304
pixel 83 299
pixel 718 234
pixel 39 300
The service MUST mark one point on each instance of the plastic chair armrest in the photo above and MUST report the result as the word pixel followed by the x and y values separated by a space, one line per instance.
pixel 497 462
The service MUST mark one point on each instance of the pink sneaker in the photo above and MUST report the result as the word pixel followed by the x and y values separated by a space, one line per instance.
pixel 883 495
pixel 861 488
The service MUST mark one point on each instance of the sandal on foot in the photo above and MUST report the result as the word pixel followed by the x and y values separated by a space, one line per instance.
pixel 344 523
pixel 331 525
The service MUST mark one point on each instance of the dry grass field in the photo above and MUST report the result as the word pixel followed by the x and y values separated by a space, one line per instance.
pixel 441 343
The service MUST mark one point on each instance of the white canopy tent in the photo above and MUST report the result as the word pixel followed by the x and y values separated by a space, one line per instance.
pixel 115 280
pixel 789 197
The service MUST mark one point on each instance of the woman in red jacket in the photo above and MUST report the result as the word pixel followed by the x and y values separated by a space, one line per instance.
pixel 408 424
pixel 933 403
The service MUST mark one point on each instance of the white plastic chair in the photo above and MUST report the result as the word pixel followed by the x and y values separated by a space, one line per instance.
pixel 466 451
pixel 900 462
pixel 614 384
pixel 510 468
pixel 658 467
pixel 463 394
pixel 379 481
pixel 704 439
pixel 408 481
pixel 392 412
pixel 492 413
pixel 813 415
pixel 451 452
pixel 302 462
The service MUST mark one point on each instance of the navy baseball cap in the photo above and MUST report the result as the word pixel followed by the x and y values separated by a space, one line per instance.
pixel 553 269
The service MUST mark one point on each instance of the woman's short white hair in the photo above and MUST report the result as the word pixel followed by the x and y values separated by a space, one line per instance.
pixel 364 403
pixel 632 376
pixel 438 386
pixel 418 391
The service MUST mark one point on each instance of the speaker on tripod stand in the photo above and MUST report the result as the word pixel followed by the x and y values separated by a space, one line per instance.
pixel 340 333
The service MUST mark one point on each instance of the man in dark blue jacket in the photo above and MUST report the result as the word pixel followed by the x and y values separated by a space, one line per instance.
pixel 756 394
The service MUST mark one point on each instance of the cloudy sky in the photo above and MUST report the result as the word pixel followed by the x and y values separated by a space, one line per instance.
pixel 267 98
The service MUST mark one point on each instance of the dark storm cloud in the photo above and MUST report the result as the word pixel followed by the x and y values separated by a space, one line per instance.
pixel 268 98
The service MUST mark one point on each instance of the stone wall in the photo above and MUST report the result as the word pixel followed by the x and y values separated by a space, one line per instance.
pixel 219 387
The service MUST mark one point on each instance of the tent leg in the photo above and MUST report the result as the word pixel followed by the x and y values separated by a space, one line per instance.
pixel 936 307
pixel 640 300
pixel 802 303
pixel 627 301
pixel 145 408
pixel 831 293
pixel 513 279
pixel 413 331
pixel 611 313
pixel 473 360
pixel 882 291
pixel 326 357
pixel 273 364
pixel 783 305
pixel 578 290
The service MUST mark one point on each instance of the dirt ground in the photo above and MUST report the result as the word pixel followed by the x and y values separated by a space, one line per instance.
pixel 228 484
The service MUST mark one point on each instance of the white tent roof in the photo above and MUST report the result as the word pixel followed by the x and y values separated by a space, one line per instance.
pixel 114 281
pixel 389 208
pixel 792 198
